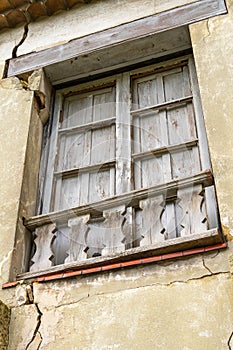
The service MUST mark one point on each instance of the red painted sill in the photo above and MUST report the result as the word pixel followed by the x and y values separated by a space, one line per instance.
pixel 135 262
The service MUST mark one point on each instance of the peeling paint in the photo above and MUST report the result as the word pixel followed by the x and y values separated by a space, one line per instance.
pixel 227 233
pixel 5 260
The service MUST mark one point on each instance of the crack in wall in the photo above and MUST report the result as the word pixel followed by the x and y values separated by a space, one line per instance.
pixel 144 286
pixel 229 341
pixel 205 266
pixel 36 331
pixel 15 49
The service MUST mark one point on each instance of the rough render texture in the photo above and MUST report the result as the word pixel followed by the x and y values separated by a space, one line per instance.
pixel 178 305
pixel 16 104
pixel 213 50
pixel 4 326
pixel 185 304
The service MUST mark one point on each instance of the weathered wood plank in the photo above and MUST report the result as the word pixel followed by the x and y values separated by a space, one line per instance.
pixel 45 236
pixel 140 28
pixel 194 218
pixel 123 135
pixel 151 230
pixel 77 237
pixel 130 198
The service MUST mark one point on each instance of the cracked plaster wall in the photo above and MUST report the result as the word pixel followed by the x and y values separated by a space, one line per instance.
pixel 179 305
pixel 184 304
pixel 213 52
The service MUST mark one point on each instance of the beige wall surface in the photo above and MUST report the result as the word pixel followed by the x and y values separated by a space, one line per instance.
pixel 184 304
pixel 213 53
pixel 85 19
pixel 14 120
pixel 178 305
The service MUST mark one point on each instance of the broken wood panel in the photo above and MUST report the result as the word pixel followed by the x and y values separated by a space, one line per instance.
pixel 114 36
pixel 45 236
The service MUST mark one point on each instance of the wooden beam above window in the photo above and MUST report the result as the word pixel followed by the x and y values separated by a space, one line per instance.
pixel 52 58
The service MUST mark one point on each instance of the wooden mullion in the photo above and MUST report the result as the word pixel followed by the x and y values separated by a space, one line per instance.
pixel 123 134
pixel 161 106
pixel 166 149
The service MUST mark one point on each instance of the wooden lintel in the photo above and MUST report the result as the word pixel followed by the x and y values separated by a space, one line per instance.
pixel 130 198
pixel 124 33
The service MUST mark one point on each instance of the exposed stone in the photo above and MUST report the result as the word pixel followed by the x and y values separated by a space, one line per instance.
pixel 21 294
pixel 4 326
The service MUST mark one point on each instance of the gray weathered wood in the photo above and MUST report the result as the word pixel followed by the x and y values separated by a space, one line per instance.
pixel 203 239
pixel 194 218
pixel 114 36
pixel 123 135
pixel 130 198
pixel 78 246
pixel 45 236
pixel 151 230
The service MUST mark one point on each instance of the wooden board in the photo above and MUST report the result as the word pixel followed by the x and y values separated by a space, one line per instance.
pixel 115 36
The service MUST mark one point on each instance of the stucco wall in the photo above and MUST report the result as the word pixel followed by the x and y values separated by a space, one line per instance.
pixel 179 305
pixel 213 52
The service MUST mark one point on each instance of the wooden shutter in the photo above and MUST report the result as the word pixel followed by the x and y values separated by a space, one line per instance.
pixel 85 149
pixel 138 131
pixel 169 144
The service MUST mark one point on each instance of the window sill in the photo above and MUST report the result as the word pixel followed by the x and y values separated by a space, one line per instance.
pixel 171 249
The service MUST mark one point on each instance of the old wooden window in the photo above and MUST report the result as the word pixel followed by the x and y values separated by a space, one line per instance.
pixel 127 169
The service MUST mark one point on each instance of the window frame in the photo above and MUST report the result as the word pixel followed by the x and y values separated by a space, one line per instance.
pixel 211 236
